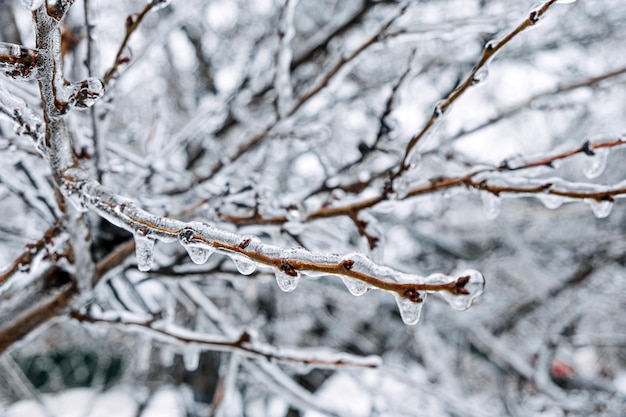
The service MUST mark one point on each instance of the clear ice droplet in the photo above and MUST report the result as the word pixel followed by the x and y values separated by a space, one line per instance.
pixel 244 265
pixel 144 250
pixel 286 282
pixel 600 209
pixel 491 205
pixel 595 164
pixel 355 286
pixel 191 358
pixel 551 201
pixel 409 310
pixel 199 252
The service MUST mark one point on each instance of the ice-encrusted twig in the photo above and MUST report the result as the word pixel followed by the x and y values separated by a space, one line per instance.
pixel 26 121
pixel 476 75
pixel 596 151
pixel 244 344
pixel 31 250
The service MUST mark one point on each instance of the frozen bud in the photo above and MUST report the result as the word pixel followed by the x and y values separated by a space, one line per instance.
pixel 84 94
pixel 144 249
pixel 17 61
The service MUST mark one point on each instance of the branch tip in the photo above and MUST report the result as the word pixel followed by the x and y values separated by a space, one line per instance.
pixel 460 285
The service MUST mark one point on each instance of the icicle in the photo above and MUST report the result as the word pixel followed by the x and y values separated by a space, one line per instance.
pixel 144 250
pixel 491 204
pixel 198 255
pixel 244 265
pixel 166 354
pixel 470 285
pixel 191 358
pixel 84 94
pixel 355 286
pixel 158 4
pixel 410 310
pixel 198 252
pixel 17 61
pixel 551 201
pixel 600 209
pixel 143 353
pixel 595 163
pixel 287 277
pixel 32 4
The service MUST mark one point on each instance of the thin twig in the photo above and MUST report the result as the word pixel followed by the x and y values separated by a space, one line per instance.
pixel 244 344
pixel 489 51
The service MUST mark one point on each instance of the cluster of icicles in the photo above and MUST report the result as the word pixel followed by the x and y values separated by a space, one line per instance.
pixel 287 279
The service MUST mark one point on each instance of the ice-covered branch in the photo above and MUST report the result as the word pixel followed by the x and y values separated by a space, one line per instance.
pixel 200 240
pixel 132 23
pixel 282 78
pixel 22 262
pixel 477 75
pixel 497 183
pixel 245 344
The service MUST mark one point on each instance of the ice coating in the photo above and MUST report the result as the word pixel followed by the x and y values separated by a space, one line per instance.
pixel 244 265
